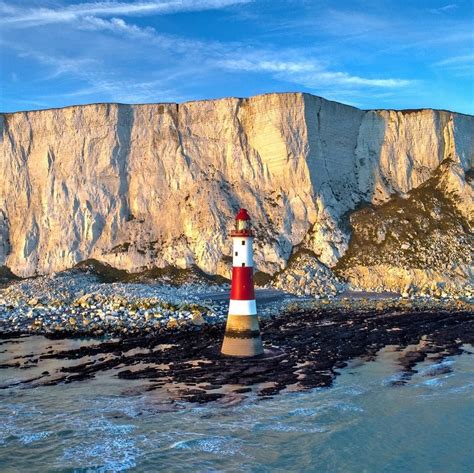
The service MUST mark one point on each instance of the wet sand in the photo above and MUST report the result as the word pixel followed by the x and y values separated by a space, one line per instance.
pixel 306 350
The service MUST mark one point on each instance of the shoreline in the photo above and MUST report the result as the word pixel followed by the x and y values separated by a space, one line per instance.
pixel 310 345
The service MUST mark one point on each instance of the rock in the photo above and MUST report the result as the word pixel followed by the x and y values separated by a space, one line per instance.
pixel 83 300
pixel 197 319
pixel 305 275
pixel 310 162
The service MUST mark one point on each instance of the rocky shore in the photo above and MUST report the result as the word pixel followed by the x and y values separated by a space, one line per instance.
pixel 80 305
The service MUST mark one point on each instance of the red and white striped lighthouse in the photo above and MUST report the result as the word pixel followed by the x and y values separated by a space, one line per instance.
pixel 242 333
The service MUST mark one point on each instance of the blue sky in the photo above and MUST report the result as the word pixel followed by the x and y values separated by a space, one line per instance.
pixel 367 53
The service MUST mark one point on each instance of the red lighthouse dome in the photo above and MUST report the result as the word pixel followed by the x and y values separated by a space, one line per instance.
pixel 242 215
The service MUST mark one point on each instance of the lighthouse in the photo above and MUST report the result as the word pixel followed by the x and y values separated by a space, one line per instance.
pixel 242 333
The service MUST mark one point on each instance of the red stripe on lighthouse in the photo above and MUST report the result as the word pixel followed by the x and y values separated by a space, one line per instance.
pixel 242 284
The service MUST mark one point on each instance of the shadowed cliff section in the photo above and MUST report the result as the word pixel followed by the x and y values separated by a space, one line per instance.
pixel 6 275
pixel 419 242
pixel 170 274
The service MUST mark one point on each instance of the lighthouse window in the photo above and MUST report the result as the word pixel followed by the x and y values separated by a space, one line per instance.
pixel 243 264
pixel 236 253
pixel 243 242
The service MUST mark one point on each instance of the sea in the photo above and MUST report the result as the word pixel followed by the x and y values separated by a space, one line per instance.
pixel 373 419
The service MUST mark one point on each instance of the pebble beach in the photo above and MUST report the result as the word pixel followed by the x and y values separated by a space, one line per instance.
pixel 78 303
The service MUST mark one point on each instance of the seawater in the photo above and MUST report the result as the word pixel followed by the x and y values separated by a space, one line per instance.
pixel 361 424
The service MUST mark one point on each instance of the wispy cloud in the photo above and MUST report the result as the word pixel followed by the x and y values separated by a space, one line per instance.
pixel 443 9
pixel 147 34
pixel 25 17
pixel 458 66
pixel 341 23
pixel 456 60
pixel 128 91
pixel 200 57
pixel 60 64
pixel 352 23
pixel 95 78
pixel 383 32
pixel 310 74
pixel 116 25
pixel 64 51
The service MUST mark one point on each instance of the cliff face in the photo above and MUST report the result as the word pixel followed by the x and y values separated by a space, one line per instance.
pixel 138 186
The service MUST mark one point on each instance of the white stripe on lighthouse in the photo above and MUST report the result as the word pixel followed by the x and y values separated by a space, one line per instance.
pixel 242 254
pixel 242 307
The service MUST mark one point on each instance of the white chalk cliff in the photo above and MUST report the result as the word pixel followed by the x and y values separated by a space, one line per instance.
pixel 138 186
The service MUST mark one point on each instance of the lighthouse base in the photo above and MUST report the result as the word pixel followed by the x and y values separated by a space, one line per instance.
pixel 242 336
pixel 242 348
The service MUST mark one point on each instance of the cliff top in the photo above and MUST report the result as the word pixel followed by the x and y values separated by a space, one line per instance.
pixel 253 97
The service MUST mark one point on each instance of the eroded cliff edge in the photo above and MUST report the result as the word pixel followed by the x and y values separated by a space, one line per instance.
pixel 139 186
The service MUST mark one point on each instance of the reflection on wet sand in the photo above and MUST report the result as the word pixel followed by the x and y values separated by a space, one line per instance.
pixel 311 349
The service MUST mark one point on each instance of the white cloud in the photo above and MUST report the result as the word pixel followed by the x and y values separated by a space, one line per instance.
pixel 266 65
pixel 103 82
pixel 128 91
pixel 444 9
pixel 116 25
pixel 351 23
pixel 146 34
pixel 343 78
pixel 25 17
pixel 311 74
